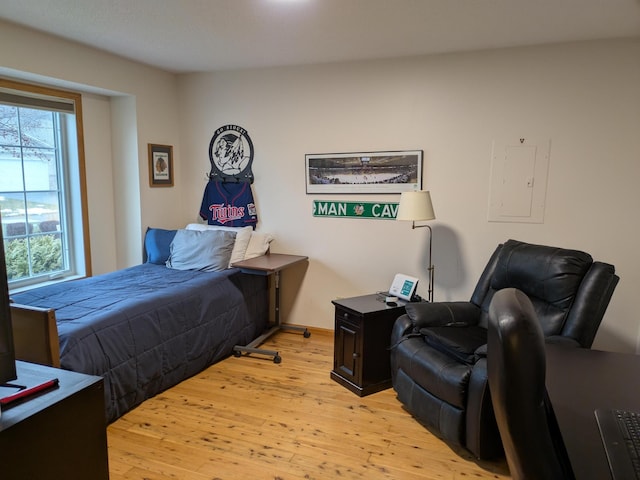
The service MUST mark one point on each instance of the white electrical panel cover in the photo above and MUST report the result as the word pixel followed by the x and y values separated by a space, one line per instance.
pixel 519 171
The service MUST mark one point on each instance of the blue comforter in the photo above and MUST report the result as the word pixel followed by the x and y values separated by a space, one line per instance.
pixel 148 327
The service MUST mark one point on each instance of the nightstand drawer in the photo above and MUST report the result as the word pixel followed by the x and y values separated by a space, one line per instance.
pixel 346 316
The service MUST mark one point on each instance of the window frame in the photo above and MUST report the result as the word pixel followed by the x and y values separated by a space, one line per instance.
pixel 75 237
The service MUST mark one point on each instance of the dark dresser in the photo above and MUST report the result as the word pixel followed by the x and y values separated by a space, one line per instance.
pixel 60 433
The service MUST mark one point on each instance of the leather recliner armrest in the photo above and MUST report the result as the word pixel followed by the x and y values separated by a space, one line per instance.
pixel 401 327
pixel 454 314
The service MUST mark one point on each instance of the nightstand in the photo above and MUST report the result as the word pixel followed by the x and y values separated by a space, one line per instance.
pixel 361 343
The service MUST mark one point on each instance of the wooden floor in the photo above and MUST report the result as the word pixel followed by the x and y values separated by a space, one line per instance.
pixel 248 418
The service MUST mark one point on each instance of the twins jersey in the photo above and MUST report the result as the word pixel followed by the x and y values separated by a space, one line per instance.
pixel 229 204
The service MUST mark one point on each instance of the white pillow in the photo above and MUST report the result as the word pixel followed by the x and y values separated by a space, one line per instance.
pixel 243 235
pixel 258 245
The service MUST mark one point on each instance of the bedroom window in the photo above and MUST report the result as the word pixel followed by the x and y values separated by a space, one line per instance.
pixel 41 184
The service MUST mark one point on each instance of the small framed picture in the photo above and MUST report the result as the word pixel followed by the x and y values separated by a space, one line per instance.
pixel 160 165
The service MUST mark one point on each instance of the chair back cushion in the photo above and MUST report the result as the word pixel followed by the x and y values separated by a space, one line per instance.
pixel 549 276
pixel 516 367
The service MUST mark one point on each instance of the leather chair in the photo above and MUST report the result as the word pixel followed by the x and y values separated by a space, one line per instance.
pixel 438 353
pixel 516 367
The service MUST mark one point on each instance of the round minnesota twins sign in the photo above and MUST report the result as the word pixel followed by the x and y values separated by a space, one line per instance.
pixel 231 154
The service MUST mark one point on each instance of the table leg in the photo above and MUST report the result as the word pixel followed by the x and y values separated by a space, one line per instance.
pixel 238 350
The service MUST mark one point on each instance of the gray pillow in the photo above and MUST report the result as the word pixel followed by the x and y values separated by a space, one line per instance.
pixel 208 251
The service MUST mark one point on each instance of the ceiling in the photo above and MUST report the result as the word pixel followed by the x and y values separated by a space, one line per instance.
pixel 207 35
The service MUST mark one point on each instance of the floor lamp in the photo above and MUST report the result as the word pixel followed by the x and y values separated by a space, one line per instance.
pixel 416 207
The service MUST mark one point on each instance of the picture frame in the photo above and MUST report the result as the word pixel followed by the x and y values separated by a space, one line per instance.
pixel 160 165
pixel 364 172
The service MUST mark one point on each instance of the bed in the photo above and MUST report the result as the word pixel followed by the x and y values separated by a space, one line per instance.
pixel 150 326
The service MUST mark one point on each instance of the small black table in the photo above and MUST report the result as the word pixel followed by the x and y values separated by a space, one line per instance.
pixel 361 342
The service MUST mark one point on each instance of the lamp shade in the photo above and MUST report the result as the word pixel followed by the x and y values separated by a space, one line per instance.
pixel 415 206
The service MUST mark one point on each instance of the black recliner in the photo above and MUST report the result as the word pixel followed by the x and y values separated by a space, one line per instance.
pixel 516 363
pixel 438 350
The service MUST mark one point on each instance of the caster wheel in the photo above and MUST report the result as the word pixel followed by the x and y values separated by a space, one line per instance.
pixel 277 359
pixel 306 334
pixel 237 354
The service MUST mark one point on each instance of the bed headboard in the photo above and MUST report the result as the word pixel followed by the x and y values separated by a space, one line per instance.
pixel 35 335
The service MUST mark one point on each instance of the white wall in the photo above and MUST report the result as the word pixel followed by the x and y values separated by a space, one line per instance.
pixel 584 97
pixel 126 105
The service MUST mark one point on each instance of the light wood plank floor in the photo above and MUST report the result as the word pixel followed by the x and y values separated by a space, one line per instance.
pixel 248 418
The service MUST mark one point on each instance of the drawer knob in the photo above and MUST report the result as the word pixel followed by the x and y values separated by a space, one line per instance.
pixel 345 315
pixel 355 355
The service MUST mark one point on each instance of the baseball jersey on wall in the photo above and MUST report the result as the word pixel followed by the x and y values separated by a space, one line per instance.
pixel 229 204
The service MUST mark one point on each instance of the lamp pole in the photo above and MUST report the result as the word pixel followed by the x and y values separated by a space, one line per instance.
pixel 430 267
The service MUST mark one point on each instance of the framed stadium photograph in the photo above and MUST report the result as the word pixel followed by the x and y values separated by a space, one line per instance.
pixel 367 172
pixel 160 165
